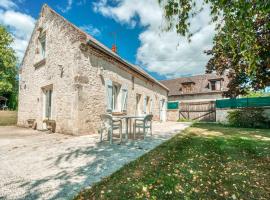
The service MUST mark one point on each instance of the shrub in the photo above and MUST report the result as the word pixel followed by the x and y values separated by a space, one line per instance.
pixel 249 118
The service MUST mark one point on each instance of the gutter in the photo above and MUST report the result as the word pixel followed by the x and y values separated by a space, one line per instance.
pixel 199 93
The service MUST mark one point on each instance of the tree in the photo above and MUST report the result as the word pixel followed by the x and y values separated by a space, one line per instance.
pixel 242 40
pixel 8 69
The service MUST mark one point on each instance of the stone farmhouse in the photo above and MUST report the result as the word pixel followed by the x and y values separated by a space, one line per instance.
pixel 70 78
pixel 194 97
pixel 197 88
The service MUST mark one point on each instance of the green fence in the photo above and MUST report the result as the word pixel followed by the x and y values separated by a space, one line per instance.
pixel 173 105
pixel 243 102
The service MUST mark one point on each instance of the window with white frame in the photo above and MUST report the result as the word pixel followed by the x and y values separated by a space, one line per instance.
pixel 42 42
pixel 116 95
pixel 215 85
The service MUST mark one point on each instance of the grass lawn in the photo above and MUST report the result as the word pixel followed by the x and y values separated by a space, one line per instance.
pixel 8 118
pixel 206 161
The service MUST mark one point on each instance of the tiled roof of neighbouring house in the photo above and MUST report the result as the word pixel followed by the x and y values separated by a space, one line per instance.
pixel 200 84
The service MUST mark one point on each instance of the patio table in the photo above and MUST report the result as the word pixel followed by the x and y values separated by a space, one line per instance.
pixel 128 119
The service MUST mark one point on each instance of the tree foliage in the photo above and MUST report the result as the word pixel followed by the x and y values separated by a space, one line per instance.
pixel 242 40
pixel 8 69
pixel 257 94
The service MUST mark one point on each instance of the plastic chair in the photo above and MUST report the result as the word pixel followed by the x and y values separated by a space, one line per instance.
pixel 109 125
pixel 145 124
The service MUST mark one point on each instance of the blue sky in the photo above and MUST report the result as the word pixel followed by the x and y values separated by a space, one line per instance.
pixel 138 27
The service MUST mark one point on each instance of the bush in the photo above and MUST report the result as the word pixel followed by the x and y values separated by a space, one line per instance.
pixel 249 118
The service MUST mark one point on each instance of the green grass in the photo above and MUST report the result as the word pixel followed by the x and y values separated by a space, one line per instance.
pixel 207 161
pixel 8 118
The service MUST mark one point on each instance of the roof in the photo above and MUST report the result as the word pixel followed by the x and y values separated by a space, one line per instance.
pixel 200 83
pixel 96 44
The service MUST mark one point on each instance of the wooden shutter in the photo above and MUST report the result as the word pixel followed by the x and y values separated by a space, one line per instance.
pixel 109 88
pixel 160 109
pixel 144 104
pixel 124 98
pixel 151 106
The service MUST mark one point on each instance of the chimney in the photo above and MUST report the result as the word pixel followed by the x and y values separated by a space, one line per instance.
pixel 114 48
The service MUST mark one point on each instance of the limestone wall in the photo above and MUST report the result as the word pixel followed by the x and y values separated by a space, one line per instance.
pixel 222 114
pixel 57 71
pixel 78 96
pixel 92 93
pixel 172 115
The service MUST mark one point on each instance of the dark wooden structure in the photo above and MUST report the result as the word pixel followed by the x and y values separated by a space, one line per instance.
pixel 3 103
pixel 201 111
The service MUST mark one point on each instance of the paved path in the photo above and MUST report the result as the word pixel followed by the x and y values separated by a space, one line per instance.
pixel 36 165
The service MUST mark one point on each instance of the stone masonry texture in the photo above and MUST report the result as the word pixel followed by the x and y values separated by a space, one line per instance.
pixel 79 93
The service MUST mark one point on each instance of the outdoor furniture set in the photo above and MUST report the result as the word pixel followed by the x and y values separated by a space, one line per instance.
pixel 111 123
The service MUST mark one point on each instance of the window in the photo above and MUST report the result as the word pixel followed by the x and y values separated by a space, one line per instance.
pixel 42 41
pixel 215 85
pixel 116 97
pixel 186 87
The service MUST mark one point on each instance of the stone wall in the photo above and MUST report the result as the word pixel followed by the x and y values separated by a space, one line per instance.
pixel 172 115
pixel 222 114
pixel 56 70
pixel 78 90
pixel 92 94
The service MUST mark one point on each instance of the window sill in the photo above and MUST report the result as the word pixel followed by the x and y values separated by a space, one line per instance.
pixel 40 63
pixel 118 113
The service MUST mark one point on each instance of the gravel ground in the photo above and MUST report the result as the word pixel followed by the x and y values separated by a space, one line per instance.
pixel 38 165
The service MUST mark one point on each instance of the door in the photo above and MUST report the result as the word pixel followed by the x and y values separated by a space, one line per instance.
pixel 162 110
pixel 201 111
pixel 48 103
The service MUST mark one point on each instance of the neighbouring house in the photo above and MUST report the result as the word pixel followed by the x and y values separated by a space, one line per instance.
pixel 70 78
pixel 195 93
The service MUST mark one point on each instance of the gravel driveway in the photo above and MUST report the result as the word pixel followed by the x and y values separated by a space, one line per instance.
pixel 37 165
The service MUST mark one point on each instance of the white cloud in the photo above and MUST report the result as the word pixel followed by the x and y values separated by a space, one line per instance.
pixel 7 4
pixel 165 53
pixel 20 25
pixel 91 30
pixel 68 6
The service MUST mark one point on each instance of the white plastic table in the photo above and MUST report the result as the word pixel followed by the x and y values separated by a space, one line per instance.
pixel 128 119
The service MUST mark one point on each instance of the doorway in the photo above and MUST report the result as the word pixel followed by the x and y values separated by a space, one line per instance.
pixel 47 103
pixel 162 110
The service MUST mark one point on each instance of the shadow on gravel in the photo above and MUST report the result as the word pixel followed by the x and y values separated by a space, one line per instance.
pixel 105 159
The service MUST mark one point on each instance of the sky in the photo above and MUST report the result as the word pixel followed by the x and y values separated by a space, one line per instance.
pixel 137 27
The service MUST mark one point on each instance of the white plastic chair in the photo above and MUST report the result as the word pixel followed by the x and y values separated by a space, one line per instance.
pixel 109 125
pixel 145 124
